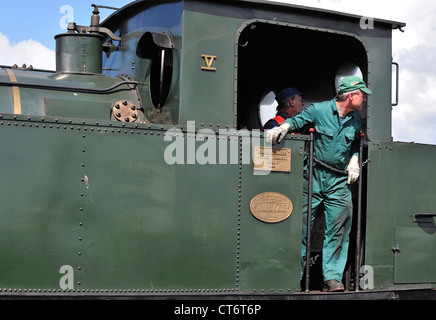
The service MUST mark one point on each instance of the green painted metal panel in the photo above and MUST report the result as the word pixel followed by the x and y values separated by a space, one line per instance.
pixel 75 108
pixel 150 225
pixel 202 101
pixel 40 199
pixel 270 254
pixel 103 201
pixel 401 183
pixel 416 258
pixel 379 113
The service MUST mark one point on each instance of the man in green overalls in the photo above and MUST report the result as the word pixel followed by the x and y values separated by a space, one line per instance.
pixel 337 130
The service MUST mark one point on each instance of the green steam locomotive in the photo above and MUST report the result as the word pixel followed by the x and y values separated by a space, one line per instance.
pixel 138 167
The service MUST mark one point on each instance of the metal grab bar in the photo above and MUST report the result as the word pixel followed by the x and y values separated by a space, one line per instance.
pixel 397 83
pixel 309 210
pixel 359 215
pixel 423 217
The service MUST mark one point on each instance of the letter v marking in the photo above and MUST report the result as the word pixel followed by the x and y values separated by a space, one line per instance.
pixel 209 62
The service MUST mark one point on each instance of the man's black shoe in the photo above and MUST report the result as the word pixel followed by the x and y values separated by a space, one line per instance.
pixel 333 286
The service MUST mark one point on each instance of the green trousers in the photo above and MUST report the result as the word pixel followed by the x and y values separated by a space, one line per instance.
pixel 331 190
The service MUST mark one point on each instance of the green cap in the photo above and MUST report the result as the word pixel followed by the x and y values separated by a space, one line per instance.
pixel 353 83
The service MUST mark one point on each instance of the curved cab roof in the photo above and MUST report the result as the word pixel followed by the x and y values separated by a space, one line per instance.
pixel 253 3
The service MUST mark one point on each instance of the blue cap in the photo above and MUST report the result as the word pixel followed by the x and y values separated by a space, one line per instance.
pixel 287 94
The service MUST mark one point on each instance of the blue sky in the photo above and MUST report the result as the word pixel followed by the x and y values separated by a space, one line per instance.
pixel 28 27
pixel 40 20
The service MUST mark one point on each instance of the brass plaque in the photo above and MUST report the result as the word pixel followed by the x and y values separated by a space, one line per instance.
pixel 271 207
pixel 272 159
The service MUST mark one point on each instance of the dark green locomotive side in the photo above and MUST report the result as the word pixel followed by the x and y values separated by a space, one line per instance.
pixel 134 178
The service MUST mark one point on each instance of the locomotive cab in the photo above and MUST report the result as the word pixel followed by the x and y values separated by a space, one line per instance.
pixel 232 65
pixel 273 56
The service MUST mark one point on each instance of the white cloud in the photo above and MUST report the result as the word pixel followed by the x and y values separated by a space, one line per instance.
pixel 415 117
pixel 29 52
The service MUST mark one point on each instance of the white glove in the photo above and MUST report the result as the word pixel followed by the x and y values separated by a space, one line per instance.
pixel 276 135
pixel 353 170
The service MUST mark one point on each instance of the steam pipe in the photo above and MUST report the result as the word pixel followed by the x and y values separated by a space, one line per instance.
pixel 67 88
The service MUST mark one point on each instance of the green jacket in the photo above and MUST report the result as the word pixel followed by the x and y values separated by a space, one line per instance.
pixel 335 143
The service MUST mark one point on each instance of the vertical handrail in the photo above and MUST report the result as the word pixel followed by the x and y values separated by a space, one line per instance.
pixel 309 211
pixel 397 83
pixel 359 216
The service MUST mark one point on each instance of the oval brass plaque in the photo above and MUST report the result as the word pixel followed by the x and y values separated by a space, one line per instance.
pixel 271 207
